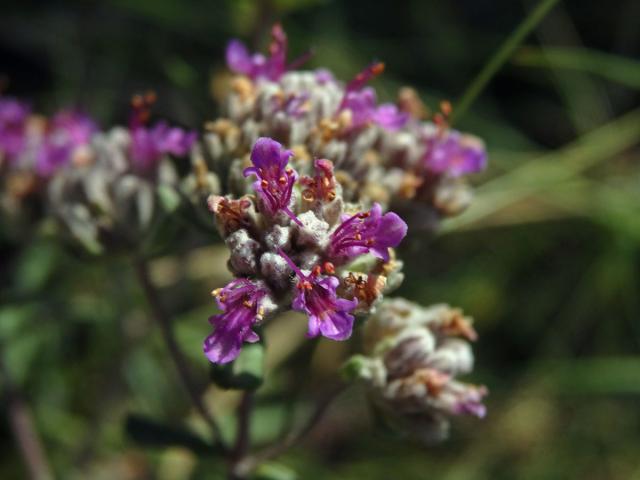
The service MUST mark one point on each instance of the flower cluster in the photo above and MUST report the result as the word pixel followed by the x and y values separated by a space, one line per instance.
pixel 34 148
pixel 39 145
pixel 412 358
pixel 384 153
pixel 111 196
pixel 295 244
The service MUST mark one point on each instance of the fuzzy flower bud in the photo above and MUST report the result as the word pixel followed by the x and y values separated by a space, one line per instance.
pixel 413 356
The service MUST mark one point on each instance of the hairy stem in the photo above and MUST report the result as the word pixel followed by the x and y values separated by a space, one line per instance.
pixel 501 56
pixel 24 430
pixel 164 321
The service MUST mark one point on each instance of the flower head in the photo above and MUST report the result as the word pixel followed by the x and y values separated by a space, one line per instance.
pixel 241 304
pixel 367 232
pixel 455 154
pixel 316 296
pixel 274 183
pixel 13 120
pixel 67 131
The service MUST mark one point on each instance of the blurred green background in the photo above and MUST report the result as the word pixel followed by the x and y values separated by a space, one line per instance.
pixel 546 259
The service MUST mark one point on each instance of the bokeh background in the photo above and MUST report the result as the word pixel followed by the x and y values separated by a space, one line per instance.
pixel 546 260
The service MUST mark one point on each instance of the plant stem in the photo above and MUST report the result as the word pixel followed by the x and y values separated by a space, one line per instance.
pixel 250 463
pixel 24 430
pixel 500 57
pixel 243 435
pixel 163 320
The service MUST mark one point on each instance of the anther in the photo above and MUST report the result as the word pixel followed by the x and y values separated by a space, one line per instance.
pixel 378 68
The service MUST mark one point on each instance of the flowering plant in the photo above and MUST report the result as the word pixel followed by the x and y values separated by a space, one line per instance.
pixel 310 182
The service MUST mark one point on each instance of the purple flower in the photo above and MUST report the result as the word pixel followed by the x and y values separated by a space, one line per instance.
pixel 150 144
pixel 366 232
pixel 362 103
pixel 240 302
pixel 256 65
pixel 454 154
pixel 13 120
pixel 67 131
pixel 274 182
pixel 324 76
pixel 390 117
pixel 328 315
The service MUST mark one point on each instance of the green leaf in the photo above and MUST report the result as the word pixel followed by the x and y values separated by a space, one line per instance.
pixel 274 471
pixel 151 433
pixel 35 267
pixel 245 373
pixel 615 68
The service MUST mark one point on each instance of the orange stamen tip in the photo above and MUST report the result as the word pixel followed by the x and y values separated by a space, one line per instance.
pixel 329 268
pixel 378 68
pixel 150 96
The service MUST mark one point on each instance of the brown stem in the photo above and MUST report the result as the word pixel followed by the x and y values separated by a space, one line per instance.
pixel 250 463
pixel 24 430
pixel 163 320
pixel 243 435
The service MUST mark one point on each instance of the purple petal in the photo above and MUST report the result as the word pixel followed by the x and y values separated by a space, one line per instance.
pixel 388 116
pixel 337 325
pixel 222 346
pixel 324 76
pixel 267 153
pixel 313 326
pixel 238 58
pixel 391 230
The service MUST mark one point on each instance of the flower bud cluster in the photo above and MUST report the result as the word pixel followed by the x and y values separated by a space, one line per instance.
pixel 382 153
pixel 100 185
pixel 111 196
pixel 413 356
pixel 296 244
